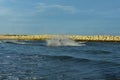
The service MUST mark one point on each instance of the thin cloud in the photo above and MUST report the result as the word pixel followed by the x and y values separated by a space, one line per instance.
pixel 9 14
pixel 1 0
pixel 42 7
pixel 5 11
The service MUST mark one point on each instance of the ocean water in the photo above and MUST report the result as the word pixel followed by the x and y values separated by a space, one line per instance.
pixel 35 60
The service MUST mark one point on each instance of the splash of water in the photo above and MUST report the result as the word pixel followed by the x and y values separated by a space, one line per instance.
pixel 0 42
pixel 63 41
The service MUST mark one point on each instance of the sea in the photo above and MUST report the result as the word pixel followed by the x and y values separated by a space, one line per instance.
pixel 59 60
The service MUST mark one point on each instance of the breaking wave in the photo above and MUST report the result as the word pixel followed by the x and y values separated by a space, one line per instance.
pixel 13 42
pixel 63 41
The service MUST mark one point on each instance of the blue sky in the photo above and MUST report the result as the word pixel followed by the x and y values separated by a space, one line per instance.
pixel 85 17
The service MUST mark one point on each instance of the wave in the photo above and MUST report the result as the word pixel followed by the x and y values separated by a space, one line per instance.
pixel 56 57
pixel 50 42
pixel 14 42
pixel 110 63
pixel 98 52
pixel 63 41
pixel 23 42
pixel 66 58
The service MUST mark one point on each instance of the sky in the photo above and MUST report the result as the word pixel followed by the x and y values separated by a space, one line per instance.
pixel 81 17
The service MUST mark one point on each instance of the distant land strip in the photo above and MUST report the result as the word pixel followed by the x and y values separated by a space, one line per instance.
pixel 103 38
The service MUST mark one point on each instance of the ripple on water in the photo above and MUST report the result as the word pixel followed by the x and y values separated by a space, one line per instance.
pixel 98 52
pixel 28 62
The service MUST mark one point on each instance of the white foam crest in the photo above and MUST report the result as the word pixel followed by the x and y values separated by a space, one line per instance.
pixel 0 42
pixel 62 41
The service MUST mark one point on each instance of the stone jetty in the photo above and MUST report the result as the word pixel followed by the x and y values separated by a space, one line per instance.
pixel 104 38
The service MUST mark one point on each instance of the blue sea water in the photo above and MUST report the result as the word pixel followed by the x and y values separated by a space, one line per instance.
pixel 34 60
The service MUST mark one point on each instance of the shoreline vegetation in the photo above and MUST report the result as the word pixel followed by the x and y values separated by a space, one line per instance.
pixel 102 38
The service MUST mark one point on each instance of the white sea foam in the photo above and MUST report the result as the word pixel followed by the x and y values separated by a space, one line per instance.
pixel 0 42
pixel 63 41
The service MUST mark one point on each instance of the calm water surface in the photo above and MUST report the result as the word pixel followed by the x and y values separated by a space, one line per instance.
pixel 33 60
